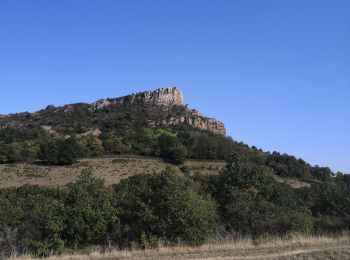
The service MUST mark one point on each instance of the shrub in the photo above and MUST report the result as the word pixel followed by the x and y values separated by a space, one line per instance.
pixel 162 207
pixel 171 149
pixel 88 211
pixel 57 151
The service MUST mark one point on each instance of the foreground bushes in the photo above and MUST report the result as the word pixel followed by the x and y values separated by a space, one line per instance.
pixel 143 210
pixel 168 208
pixel 163 208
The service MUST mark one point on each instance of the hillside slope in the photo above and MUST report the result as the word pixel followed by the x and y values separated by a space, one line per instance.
pixel 152 123
pixel 98 174
pixel 162 107
pixel 111 169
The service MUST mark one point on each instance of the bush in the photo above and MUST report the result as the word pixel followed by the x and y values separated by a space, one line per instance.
pixel 43 224
pixel 171 149
pixel 114 145
pixel 57 151
pixel 252 203
pixel 162 207
pixel 88 210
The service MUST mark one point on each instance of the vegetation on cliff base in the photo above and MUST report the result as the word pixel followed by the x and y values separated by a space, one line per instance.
pixel 172 144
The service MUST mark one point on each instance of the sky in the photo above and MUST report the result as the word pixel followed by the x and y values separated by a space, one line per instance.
pixel 277 73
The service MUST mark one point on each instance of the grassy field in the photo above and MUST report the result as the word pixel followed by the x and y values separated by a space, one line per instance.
pixel 296 247
pixel 111 169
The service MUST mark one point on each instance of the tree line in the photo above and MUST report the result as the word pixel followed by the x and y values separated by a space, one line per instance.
pixel 169 208
pixel 173 145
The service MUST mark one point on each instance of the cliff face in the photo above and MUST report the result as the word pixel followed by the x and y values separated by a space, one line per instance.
pixel 162 107
pixel 160 97
pixel 166 97
pixel 194 119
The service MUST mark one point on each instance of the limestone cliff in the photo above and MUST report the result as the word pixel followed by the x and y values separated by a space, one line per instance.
pixel 166 97
pixel 159 97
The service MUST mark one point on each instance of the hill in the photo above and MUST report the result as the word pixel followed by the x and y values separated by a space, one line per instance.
pixel 144 171
pixel 153 123
pixel 162 107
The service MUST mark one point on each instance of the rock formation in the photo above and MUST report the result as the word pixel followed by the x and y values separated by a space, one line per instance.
pixel 166 97
pixel 162 107
pixel 159 97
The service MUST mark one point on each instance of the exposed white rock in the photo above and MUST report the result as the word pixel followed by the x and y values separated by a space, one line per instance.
pixel 160 97
pixel 99 104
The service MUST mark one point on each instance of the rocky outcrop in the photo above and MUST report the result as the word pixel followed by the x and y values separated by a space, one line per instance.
pixel 160 97
pixel 162 107
pixel 194 119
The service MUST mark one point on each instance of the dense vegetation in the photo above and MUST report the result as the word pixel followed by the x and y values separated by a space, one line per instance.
pixel 168 208
pixel 173 144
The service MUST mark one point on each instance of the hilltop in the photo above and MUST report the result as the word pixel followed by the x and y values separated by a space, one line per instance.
pixel 152 123
pixel 163 107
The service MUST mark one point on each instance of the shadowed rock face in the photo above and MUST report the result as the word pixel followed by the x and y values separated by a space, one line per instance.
pixel 165 101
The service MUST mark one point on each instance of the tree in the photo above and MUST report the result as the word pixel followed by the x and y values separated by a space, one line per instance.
pixel 88 211
pixel 43 224
pixel 69 151
pixel 58 151
pixel 171 149
pixel 163 207
pixel 91 145
pixel 205 147
pixel 114 145
pixel 49 150
pixel 251 203
pixel 323 173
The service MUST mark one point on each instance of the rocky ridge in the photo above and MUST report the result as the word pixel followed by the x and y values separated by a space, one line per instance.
pixel 166 97
pixel 160 97
pixel 164 107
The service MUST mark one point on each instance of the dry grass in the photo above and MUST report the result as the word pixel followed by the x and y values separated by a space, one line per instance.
pixel 111 169
pixel 296 247
pixel 294 182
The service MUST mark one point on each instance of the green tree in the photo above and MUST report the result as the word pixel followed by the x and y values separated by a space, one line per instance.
pixel 49 150
pixel 69 151
pixel 251 203
pixel 58 151
pixel 171 149
pixel 88 211
pixel 43 224
pixel 114 145
pixel 163 207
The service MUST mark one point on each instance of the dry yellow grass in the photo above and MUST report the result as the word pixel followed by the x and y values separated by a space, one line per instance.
pixel 111 169
pixel 296 247
pixel 294 182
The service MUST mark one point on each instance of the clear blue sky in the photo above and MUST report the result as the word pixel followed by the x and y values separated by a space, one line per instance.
pixel 276 72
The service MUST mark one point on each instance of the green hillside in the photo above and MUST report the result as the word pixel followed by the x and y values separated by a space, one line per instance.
pixel 125 176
